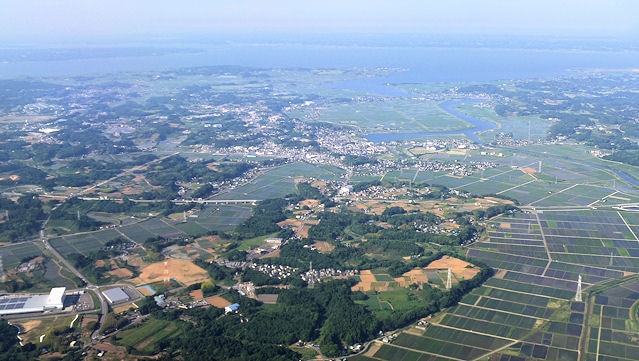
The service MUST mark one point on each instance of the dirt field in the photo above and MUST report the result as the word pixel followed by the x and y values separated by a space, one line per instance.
pixel 196 295
pixel 274 254
pixel 324 247
pixel 28 326
pixel 375 346
pixel 378 207
pixel 366 281
pixel 268 298
pixel 144 291
pixel 310 203
pixel 182 271
pixel 135 261
pixel 121 273
pixel 290 222
pixel 300 228
pixel 217 301
pixel 417 276
pixel 461 269
pixel 112 351
pixel 123 308
pixel 500 274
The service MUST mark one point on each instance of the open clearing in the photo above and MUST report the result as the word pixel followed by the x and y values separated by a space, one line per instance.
pixel 182 271
pixel 461 269
pixel 217 301
pixel 383 282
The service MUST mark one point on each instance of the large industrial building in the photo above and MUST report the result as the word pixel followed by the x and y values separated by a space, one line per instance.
pixel 25 304
pixel 115 295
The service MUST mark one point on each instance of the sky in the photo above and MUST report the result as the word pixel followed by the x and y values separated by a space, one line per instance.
pixel 98 19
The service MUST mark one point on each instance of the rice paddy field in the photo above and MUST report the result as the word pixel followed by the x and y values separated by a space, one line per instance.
pixel 144 338
pixel 12 254
pixel 529 309
pixel 571 226
pixel 279 181
pixel 211 217
pixel 404 115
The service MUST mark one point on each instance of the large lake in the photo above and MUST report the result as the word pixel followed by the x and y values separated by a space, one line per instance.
pixel 423 63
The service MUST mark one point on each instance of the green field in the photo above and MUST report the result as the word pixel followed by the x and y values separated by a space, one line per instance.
pixel 531 128
pixel 145 336
pixel 394 115
pixel 280 181
pixel 13 254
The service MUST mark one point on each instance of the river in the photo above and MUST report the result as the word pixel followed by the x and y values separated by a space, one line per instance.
pixel 477 125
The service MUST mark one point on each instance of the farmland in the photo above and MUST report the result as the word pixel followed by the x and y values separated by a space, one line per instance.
pixel 530 304
pixel 571 224
pixel 148 174
pixel 218 217
pixel 13 254
pixel 569 227
pixel 402 115
pixel 145 336
pixel 279 181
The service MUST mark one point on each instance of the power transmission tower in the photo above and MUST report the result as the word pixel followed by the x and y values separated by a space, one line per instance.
pixel 578 295
pixel 311 276
pixel 167 280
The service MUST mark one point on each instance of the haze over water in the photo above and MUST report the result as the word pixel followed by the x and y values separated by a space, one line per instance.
pixel 444 62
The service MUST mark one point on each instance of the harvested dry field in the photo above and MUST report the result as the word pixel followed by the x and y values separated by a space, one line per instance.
pixel 416 276
pixel 217 301
pixel 461 269
pixel 121 273
pixel 182 271
pixel 366 280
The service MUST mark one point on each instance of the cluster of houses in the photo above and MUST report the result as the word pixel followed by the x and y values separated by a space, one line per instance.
pixel 316 275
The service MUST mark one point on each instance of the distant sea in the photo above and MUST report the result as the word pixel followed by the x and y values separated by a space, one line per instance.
pixel 423 64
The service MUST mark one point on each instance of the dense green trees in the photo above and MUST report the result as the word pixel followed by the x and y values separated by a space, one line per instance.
pixel 331 226
pixel 203 192
pixel 625 156
pixel 113 322
pixel 217 272
pixel 294 254
pixel 23 174
pixel 307 191
pixel 264 219
pixel 9 350
pixel 21 219
pixel 173 170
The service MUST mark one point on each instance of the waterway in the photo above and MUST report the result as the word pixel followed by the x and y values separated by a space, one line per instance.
pixel 476 125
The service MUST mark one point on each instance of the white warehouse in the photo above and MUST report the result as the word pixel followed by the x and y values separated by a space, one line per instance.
pixel 24 304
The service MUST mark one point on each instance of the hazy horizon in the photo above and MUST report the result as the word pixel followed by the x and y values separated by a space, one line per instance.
pixel 87 22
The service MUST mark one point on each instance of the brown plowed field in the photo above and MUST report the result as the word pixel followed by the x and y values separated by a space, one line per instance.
pixel 182 271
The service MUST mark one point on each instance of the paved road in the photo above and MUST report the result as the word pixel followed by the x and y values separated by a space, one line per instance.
pixel 104 306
